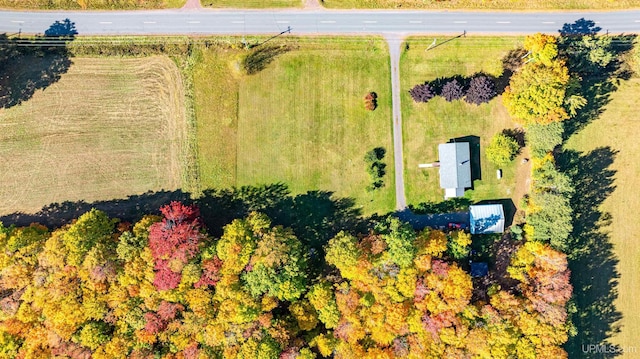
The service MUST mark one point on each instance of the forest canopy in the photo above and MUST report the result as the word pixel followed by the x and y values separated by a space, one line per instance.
pixel 165 288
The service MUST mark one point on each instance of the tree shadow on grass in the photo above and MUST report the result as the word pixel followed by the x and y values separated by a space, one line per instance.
pixel 599 73
pixel 314 216
pixel 261 56
pixel 593 264
pixel 30 64
pixel 129 209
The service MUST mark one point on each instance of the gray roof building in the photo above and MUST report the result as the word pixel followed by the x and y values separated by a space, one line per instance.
pixel 455 168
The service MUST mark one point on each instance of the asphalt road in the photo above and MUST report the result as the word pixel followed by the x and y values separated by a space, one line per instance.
pixel 207 21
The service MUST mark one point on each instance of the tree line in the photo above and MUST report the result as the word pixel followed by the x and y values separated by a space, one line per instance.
pixel 163 287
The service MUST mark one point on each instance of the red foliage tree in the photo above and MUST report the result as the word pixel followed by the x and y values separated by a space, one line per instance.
pixel 165 278
pixel 176 238
pixel 210 272
pixel 168 311
pixel 192 351
pixel 154 324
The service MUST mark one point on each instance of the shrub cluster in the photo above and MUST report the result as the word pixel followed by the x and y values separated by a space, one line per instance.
pixel 477 89
pixel 452 90
pixel 481 90
pixel 371 101
pixel 376 168
pixel 458 204
pixel 422 93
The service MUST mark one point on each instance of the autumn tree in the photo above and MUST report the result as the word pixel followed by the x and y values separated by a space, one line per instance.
pixel 173 242
pixel 389 292
pixel 536 94
pixel 502 149
pixel 544 275
pixel 542 48
pixel 544 138
pixel 277 266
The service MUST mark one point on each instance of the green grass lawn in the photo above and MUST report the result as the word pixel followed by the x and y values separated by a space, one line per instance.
pixel 426 125
pixel 619 128
pixel 484 5
pixel 300 121
pixel 92 4
pixel 252 3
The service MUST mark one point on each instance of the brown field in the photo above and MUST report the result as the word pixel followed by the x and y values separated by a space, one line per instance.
pixel 91 4
pixel 109 128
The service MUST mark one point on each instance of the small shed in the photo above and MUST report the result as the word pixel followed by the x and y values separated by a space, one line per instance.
pixel 486 218
pixel 479 269
pixel 455 168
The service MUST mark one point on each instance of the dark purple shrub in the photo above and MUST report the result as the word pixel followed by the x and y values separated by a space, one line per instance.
pixel 422 93
pixel 452 90
pixel 481 90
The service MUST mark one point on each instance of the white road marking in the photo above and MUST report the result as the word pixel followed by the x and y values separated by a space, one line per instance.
pixel 193 22
pixel 282 22
pixel 18 21
pixel 105 22
pixel 369 21
pixel 637 21
pixel 597 22
pixel 548 22
pixel 149 22
pixel 459 22
pixel 237 22
pixel 503 22
pixel 415 22
pixel 327 22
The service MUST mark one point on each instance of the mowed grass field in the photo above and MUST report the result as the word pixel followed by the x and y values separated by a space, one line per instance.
pixel 92 4
pixel 300 121
pixel 425 125
pixel 252 3
pixel 619 128
pixel 111 127
pixel 483 4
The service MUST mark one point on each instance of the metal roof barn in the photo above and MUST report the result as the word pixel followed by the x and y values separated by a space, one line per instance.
pixel 486 218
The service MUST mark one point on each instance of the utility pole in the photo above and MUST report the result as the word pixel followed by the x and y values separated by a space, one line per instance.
pixel 433 44
pixel 288 30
